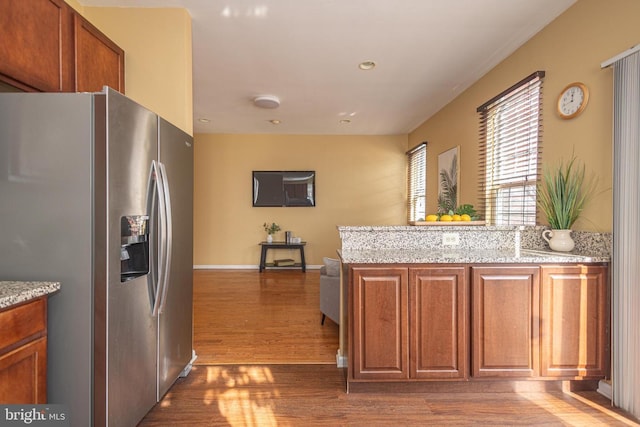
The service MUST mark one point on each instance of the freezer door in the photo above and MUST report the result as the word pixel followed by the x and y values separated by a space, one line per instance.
pixel 176 316
pixel 129 331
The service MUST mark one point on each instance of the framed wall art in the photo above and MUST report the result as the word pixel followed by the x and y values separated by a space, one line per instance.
pixel 448 179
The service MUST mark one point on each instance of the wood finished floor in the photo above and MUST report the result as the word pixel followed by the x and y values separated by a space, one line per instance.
pixel 270 317
pixel 263 375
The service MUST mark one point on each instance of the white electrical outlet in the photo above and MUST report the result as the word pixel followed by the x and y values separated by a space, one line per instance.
pixel 450 239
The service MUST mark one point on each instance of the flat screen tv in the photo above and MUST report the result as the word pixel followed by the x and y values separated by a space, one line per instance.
pixel 284 188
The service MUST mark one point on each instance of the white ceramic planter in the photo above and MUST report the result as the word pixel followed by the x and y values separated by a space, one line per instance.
pixel 559 240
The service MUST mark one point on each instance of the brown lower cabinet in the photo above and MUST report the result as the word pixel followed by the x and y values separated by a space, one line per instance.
pixel 379 319
pixel 505 307
pixel 409 323
pixel 439 329
pixel 23 353
pixel 574 321
pixel 486 322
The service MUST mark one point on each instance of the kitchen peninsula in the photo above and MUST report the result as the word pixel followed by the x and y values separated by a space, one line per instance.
pixel 472 306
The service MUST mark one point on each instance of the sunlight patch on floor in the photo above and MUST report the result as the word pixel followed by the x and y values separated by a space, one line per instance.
pixel 565 411
pixel 240 403
pixel 602 409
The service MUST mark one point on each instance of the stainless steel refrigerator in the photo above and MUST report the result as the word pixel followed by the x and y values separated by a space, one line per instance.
pixel 96 192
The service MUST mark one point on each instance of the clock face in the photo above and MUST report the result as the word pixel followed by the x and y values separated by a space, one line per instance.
pixel 573 100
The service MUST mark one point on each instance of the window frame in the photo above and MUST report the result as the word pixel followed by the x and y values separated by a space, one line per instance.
pixel 510 149
pixel 417 182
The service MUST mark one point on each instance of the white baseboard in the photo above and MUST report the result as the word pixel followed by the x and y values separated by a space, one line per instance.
pixel 604 388
pixel 341 361
pixel 244 267
pixel 225 267
pixel 189 366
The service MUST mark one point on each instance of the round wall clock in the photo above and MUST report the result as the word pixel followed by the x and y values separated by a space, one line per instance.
pixel 573 100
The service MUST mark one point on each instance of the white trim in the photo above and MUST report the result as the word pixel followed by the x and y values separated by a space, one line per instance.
pixel 630 51
pixel 245 267
pixel 230 267
pixel 604 388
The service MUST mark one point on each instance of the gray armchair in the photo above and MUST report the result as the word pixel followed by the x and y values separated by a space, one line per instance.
pixel 330 290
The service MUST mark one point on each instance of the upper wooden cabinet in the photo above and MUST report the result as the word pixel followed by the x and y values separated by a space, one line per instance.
pixel 98 60
pixel 36 45
pixel 46 46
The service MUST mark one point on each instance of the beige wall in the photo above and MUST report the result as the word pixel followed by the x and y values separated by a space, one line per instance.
pixel 158 61
pixel 569 49
pixel 360 181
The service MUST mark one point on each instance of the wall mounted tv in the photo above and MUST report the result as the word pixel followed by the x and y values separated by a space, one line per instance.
pixel 284 188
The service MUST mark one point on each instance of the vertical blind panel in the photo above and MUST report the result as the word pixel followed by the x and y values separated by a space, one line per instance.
pixel 626 232
pixel 416 182
pixel 510 132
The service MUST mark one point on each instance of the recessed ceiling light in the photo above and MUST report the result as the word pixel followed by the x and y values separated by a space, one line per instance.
pixel 345 121
pixel 266 101
pixel 367 65
pixel 203 120
pixel 274 122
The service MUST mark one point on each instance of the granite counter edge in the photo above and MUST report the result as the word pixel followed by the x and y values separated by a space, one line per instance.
pixel 16 292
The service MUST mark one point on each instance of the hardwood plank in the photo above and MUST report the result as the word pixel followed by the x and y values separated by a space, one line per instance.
pixel 313 395
pixel 269 317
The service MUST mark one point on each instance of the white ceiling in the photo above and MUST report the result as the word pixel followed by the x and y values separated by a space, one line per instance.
pixel 306 52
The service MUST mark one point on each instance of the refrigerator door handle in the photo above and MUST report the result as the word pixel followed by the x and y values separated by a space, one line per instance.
pixel 152 194
pixel 168 237
pixel 156 187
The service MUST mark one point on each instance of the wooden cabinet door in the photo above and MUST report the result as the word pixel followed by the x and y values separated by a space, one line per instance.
pixel 438 307
pixel 574 319
pixel 505 306
pixel 98 60
pixel 23 374
pixel 379 322
pixel 36 45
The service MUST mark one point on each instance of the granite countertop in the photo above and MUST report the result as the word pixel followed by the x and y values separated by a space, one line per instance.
pixel 12 293
pixel 465 256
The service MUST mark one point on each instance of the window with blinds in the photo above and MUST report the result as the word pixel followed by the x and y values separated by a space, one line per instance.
pixel 510 151
pixel 417 182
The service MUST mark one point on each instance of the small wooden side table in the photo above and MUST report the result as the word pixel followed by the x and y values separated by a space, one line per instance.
pixel 282 245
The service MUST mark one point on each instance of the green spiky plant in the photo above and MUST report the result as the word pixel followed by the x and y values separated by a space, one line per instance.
pixel 563 193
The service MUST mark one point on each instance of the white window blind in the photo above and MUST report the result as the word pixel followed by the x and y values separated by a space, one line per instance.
pixel 510 150
pixel 416 182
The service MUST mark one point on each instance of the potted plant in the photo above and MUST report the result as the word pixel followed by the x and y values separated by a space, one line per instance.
pixel 271 229
pixel 561 196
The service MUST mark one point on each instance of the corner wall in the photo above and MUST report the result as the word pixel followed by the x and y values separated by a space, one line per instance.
pixel 569 49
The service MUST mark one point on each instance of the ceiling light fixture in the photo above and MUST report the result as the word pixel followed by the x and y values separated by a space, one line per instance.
pixel 274 122
pixel 266 101
pixel 203 120
pixel 345 121
pixel 367 65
